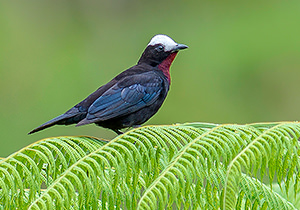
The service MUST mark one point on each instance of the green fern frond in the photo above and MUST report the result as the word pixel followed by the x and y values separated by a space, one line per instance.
pixel 292 195
pixel 183 166
pixel 254 194
pixel 117 171
pixel 273 149
pixel 37 165
pixel 221 143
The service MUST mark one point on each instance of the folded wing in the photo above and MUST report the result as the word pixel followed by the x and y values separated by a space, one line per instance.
pixel 125 97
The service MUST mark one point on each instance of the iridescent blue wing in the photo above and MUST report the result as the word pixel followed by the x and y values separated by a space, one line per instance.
pixel 126 97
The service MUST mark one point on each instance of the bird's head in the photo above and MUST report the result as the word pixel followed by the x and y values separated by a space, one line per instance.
pixel 159 49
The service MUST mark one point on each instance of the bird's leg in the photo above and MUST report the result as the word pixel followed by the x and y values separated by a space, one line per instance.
pixel 136 126
pixel 117 131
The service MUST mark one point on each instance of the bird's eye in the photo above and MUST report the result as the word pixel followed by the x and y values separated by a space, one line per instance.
pixel 159 48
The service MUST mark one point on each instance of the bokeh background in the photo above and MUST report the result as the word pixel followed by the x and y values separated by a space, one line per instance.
pixel 243 64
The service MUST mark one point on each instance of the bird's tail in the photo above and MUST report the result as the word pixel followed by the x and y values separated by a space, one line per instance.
pixel 61 119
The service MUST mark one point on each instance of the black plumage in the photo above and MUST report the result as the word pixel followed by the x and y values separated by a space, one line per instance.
pixel 132 97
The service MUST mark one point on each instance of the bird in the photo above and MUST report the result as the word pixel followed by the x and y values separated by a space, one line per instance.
pixel 130 98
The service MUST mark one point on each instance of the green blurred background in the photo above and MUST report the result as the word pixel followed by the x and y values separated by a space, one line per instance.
pixel 242 66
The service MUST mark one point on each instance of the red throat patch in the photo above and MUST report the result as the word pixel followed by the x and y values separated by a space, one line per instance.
pixel 165 65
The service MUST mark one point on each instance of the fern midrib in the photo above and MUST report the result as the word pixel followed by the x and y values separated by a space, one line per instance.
pixel 241 153
pixel 70 169
pixel 269 124
pixel 78 162
pixel 157 180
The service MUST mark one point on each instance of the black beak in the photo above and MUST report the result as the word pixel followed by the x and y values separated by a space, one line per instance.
pixel 179 47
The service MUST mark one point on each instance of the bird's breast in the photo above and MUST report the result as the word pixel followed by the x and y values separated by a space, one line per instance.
pixel 164 66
